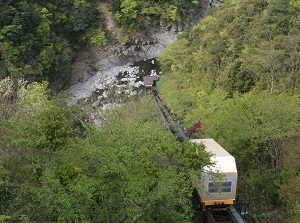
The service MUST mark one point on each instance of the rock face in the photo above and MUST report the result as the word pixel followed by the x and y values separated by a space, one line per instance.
pixel 99 64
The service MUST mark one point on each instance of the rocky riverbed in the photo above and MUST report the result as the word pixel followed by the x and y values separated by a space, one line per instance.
pixel 97 68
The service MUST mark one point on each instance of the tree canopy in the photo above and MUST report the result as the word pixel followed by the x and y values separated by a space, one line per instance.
pixel 56 167
pixel 238 72
pixel 135 14
pixel 39 39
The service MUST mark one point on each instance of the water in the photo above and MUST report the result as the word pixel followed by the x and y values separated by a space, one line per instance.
pixel 147 67
pixel 134 77
pixel 127 83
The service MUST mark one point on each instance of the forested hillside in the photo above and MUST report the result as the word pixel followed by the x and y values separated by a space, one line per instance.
pixel 39 39
pixel 55 164
pixel 238 72
pixel 56 167
pixel 134 14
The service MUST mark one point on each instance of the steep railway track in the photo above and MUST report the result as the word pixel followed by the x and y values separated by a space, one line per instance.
pixel 223 216
pixel 212 215
pixel 170 122
pixel 219 216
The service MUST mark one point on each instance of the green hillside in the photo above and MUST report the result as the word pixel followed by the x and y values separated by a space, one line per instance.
pixel 238 72
pixel 55 166
pixel 39 39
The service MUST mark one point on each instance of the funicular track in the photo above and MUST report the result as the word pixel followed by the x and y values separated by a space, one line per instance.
pixel 220 216
pixel 211 215
pixel 230 215
pixel 170 121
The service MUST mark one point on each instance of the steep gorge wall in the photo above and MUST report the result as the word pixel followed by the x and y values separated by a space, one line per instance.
pixel 95 62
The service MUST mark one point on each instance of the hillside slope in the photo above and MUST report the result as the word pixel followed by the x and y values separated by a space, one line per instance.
pixel 238 72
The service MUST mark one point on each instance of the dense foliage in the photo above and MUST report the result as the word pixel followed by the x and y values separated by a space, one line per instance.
pixel 134 14
pixel 238 72
pixel 55 167
pixel 37 37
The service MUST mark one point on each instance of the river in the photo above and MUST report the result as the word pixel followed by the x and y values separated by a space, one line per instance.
pixel 98 73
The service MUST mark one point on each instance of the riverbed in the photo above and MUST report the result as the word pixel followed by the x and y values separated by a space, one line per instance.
pixel 96 71
pixel 100 72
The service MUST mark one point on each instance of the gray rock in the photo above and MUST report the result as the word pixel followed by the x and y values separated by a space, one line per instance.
pixel 97 65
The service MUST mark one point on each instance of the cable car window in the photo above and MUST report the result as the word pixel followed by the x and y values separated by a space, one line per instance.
pixel 216 187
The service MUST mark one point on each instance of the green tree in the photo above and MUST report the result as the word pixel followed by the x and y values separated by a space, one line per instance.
pixel 146 165
pixel 225 68
pixel 139 14
pixel 38 38
pixel 278 18
pixel 132 170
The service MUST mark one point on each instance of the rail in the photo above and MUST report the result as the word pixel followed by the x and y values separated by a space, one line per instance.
pixel 216 215
pixel 172 124
pixel 219 216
